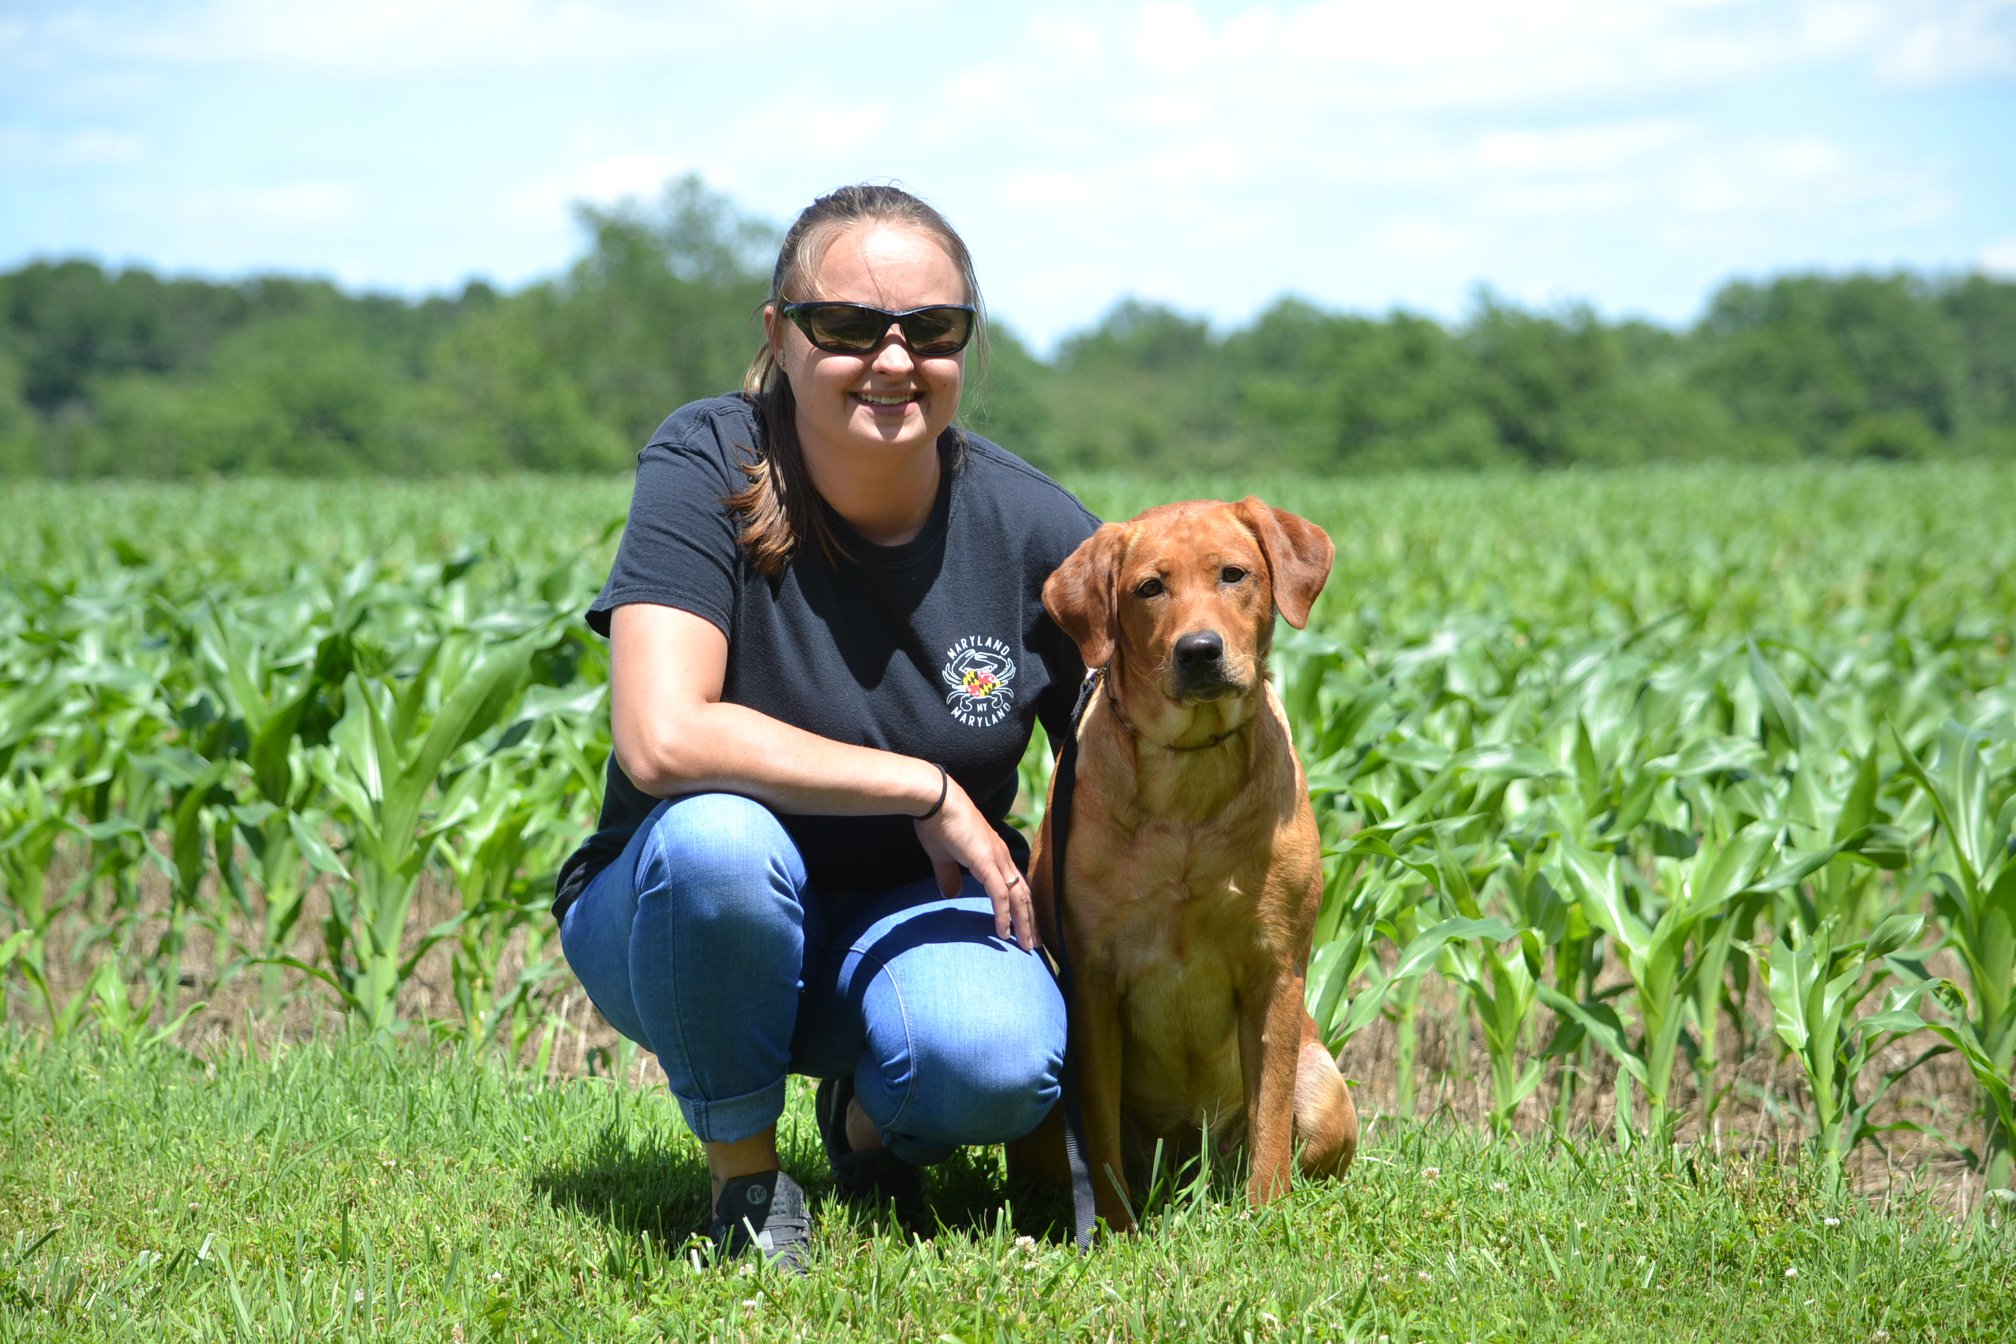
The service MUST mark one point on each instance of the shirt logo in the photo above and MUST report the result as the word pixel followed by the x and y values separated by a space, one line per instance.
pixel 979 676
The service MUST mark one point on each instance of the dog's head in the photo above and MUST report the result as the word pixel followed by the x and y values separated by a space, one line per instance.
pixel 1178 603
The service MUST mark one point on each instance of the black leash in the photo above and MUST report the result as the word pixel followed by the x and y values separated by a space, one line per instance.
pixel 1066 779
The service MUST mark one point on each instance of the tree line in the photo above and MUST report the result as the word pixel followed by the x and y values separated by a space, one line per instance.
pixel 128 373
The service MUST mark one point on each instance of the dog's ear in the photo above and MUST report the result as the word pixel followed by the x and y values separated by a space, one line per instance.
pixel 1299 555
pixel 1079 594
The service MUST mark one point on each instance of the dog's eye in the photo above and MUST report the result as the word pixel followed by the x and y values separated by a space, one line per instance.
pixel 1148 588
pixel 1231 574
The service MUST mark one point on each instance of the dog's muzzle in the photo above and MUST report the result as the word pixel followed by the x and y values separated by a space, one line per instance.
pixel 1200 668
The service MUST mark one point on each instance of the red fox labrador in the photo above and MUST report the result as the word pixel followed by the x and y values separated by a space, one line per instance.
pixel 1193 871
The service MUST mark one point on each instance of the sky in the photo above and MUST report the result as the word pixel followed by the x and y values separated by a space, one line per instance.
pixel 1631 155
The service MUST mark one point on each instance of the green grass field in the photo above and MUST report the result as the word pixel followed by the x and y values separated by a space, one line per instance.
pixel 339 1191
pixel 1670 826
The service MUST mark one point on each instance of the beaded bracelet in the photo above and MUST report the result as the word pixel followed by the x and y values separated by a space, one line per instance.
pixel 944 788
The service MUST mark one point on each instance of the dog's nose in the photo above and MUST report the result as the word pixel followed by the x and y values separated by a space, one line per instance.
pixel 1199 649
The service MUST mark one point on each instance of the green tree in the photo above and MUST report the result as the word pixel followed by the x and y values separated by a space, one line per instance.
pixel 1380 394
pixel 497 399
pixel 17 424
pixel 124 372
pixel 1146 388
pixel 1004 399
pixel 1984 312
pixel 662 309
pixel 1811 357
pixel 70 323
pixel 315 393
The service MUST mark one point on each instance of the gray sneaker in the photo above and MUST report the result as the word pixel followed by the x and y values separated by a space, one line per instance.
pixel 767 1211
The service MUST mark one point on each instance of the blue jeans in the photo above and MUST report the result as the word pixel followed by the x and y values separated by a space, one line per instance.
pixel 703 943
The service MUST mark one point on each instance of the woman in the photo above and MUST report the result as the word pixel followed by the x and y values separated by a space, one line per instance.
pixel 827 650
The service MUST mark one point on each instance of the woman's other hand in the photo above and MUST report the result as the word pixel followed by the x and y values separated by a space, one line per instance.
pixel 956 836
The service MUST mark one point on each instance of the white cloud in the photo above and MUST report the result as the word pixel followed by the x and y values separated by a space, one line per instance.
pixel 1044 189
pixel 305 205
pixel 1068 39
pixel 841 128
pixel 604 182
pixel 1206 162
pixel 1421 237
pixel 1327 58
pixel 1334 54
pixel 1999 257
pixel 374 37
pixel 1791 177
pixel 1168 60
pixel 84 147
pixel 100 148
pixel 1592 148
pixel 1947 43
pixel 1319 53
pixel 1587 201
pixel 1172 40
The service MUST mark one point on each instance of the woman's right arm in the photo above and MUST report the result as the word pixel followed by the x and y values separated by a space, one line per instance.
pixel 674 735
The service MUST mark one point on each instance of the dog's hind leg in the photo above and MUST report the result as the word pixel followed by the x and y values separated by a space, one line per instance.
pixel 1326 1123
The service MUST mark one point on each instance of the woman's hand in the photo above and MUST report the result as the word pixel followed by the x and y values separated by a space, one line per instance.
pixel 956 836
pixel 673 735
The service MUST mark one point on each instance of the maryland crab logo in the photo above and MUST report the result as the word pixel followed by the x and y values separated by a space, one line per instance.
pixel 979 676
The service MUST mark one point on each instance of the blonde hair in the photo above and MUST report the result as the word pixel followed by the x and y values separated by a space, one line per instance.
pixel 779 506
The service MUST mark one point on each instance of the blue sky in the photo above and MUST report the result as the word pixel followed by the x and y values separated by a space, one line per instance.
pixel 1631 154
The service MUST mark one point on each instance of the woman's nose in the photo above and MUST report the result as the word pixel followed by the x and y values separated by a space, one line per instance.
pixel 893 355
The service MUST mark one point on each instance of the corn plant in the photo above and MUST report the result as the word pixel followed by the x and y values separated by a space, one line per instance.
pixel 1503 986
pixel 284 851
pixel 10 950
pixel 1815 985
pixel 27 850
pixel 1503 990
pixel 1381 904
pixel 502 855
pixel 1975 899
pixel 274 685
pixel 385 759
pixel 124 1017
pixel 1654 953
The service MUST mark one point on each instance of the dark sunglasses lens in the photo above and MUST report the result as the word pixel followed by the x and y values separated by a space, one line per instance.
pixel 843 328
pixel 938 331
pixel 854 329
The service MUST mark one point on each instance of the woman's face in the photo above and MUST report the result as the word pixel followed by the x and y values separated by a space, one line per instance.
pixel 890 398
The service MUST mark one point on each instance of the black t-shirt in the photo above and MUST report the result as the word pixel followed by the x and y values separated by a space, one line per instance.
pixel 937 648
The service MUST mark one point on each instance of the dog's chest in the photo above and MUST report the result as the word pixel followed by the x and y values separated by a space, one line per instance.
pixel 1187 936
pixel 1174 903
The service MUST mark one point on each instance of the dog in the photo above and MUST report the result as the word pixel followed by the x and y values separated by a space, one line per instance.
pixel 1194 865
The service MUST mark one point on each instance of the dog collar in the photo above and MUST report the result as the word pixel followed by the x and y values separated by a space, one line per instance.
pixel 1095 680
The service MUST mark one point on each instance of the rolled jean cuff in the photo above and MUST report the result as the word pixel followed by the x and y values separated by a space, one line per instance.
pixel 731 1119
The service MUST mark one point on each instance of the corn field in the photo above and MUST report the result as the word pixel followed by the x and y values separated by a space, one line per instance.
pixel 1648 797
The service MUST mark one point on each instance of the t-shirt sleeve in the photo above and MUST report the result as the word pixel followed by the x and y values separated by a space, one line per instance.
pixel 678 547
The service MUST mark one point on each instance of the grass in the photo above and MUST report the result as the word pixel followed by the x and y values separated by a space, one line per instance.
pixel 338 1191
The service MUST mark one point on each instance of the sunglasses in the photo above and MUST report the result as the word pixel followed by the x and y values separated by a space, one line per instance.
pixel 857 329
